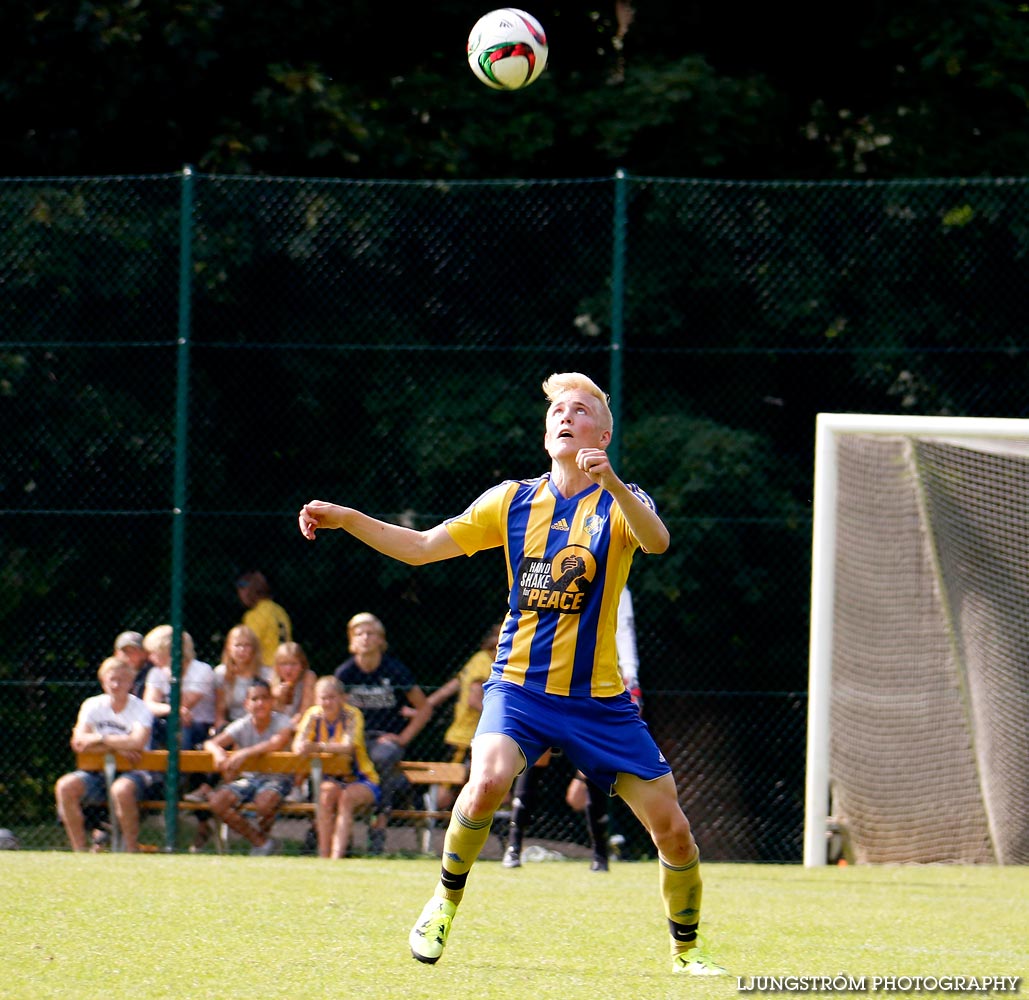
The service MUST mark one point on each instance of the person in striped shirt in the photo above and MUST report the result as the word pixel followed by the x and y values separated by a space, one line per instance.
pixel 569 538
pixel 332 726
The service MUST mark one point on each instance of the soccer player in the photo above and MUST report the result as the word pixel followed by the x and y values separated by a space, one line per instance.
pixel 569 537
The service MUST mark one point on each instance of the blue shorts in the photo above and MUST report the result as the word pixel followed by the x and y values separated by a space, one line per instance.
pixel 248 787
pixel 360 780
pixel 602 737
pixel 96 785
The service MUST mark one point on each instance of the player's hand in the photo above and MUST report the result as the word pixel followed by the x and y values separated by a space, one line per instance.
pixel 318 514
pixel 594 462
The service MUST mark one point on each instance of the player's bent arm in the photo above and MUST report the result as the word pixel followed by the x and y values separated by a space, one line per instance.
pixel 416 548
pixel 644 522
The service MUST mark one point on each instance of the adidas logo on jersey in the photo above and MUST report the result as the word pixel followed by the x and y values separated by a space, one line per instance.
pixel 561 525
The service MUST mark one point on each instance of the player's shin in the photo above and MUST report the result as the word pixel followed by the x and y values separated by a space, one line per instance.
pixel 681 889
pixel 464 840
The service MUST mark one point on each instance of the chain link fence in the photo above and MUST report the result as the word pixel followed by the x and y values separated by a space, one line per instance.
pixel 186 359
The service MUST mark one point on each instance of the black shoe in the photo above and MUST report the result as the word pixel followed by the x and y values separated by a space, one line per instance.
pixel 598 865
pixel 376 841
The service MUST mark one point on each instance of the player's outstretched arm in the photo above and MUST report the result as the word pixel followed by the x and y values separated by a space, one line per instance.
pixel 405 544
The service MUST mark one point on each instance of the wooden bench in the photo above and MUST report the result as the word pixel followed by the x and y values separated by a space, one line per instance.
pixel 429 774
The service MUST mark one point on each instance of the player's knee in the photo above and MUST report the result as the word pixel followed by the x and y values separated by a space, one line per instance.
pixel 483 795
pixel 674 839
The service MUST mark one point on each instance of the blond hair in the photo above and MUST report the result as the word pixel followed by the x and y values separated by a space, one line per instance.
pixel 110 664
pixel 247 633
pixel 159 640
pixel 562 382
pixel 330 681
pixel 365 618
pixel 291 651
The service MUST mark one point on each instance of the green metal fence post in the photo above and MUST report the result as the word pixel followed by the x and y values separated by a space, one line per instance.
pixel 619 226
pixel 171 812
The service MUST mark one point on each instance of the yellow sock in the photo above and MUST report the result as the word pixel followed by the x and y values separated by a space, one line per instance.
pixel 681 889
pixel 464 840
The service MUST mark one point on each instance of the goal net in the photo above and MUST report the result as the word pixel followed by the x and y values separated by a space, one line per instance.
pixel 918 735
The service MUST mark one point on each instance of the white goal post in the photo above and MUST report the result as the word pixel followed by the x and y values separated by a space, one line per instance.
pixel 918 697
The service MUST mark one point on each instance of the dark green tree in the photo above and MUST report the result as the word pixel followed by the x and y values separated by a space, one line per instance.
pixel 317 88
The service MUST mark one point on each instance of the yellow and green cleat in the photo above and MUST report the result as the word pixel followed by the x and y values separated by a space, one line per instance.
pixel 429 934
pixel 696 962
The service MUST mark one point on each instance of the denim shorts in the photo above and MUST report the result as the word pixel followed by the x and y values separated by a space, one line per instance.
pixel 248 787
pixel 603 737
pixel 96 785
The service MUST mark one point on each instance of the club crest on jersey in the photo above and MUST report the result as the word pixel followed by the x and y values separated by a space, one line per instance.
pixel 559 584
pixel 593 524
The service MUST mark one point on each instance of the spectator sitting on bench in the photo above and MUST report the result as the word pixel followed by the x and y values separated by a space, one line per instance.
pixel 241 663
pixel 128 646
pixel 118 721
pixel 379 685
pixel 196 708
pixel 196 700
pixel 332 726
pixel 261 730
pixel 292 681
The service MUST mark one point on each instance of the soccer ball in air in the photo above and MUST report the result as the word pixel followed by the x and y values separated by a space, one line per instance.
pixel 507 49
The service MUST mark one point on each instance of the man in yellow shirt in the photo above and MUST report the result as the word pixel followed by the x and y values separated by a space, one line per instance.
pixel 268 619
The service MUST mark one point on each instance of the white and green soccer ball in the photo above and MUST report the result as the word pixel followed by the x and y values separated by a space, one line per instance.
pixel 507 49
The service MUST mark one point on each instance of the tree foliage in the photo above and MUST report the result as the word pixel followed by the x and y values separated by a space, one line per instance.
pixel 665 88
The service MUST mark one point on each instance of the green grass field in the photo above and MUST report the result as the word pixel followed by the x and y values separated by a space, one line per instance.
pixel 103 927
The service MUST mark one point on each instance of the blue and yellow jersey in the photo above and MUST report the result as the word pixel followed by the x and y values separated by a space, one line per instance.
pixel 567 563
pixel 316 728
